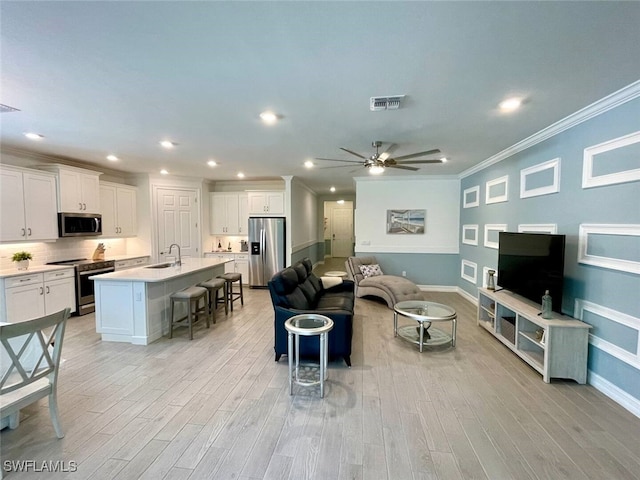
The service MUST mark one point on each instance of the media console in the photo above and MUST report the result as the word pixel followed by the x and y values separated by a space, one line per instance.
pixel 555 348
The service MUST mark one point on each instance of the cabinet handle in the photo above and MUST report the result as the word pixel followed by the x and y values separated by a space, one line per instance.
pixel 79 206
pixel 41 290
pixel 48 291
pixel 24 232
pixel 29 230
pixel 84 205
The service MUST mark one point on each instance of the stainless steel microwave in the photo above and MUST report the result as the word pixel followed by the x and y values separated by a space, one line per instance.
pixel 79 224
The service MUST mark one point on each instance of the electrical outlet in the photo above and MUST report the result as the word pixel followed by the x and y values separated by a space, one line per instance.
pixel 404 274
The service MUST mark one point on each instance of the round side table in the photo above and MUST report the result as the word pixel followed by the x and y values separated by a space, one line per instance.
pixel 307 325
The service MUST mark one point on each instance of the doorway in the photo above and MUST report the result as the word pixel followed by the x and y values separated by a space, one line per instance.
pixel 178 213
pixel 340 228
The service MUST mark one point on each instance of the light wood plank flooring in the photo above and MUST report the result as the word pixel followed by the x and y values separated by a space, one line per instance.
pixel 218 407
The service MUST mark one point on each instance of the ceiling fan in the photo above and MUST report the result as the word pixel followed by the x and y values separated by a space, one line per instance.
pixel 377 162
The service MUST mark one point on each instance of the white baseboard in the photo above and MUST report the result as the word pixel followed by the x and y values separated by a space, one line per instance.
pixel 614 393
pixel 450 289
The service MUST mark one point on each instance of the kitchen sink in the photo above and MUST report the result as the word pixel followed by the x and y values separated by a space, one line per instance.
pixel 160 265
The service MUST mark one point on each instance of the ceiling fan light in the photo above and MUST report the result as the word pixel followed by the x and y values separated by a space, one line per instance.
pixel 376 169
pixel 444 159
pixel 332 189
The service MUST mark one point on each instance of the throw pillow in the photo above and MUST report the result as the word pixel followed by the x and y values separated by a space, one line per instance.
pixel 370 270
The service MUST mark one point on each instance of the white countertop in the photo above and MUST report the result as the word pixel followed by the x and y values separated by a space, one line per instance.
pixel 14 272
pixel 152 275
pixel 124 257
pixel 222 252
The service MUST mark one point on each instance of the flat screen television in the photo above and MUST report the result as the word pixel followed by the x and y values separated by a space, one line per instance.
pixel 530 263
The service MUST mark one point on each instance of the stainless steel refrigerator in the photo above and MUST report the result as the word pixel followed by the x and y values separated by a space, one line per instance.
pixel 266 249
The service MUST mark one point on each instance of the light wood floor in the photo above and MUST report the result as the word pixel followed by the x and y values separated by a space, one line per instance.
pixel 218 407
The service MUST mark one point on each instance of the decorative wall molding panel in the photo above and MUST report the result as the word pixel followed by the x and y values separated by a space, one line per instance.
pixel 589 179
pixel 497 190
pixel 537 172
pixel 538 228
pixel 470 234
pixel 630 357
pixel 471 197
pixel 613 263
pixel 469 271
pixel 490 235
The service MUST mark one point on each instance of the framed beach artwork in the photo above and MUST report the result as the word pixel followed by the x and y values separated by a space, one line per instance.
pixel 406 221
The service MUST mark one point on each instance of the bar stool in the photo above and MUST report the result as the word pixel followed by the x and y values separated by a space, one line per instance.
pixel 214 285
pixel 192 296
pixel 308 324
pixel 232 296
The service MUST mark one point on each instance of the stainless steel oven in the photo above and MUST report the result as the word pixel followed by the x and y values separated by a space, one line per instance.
pixel 85 296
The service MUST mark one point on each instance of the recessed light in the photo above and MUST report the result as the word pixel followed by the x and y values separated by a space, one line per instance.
pixel 212 163
pixel 308 164
pixel 33 136
pixel 332 189
pixel 112 158
pixel 510 104
pixel 376 170
pixel 340 202
pixel 167 144
pixel 269 117
pixel 240 175
pixel 164 172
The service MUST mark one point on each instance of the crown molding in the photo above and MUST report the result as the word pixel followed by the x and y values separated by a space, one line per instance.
pixel 605 104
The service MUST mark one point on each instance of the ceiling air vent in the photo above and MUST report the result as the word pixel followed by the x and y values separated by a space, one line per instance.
pixel 385 103
pixel 7 109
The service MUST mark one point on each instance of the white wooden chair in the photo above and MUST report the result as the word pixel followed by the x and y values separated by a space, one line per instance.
pixel 33 349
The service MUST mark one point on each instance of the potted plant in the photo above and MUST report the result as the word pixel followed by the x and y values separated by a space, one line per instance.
pixel 22 258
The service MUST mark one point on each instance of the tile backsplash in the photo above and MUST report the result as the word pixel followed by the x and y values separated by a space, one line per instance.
pixel 61 249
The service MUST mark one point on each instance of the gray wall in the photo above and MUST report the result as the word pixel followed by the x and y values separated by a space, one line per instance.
pixel 612 296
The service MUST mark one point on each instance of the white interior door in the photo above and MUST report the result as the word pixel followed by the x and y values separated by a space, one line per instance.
pixel 342 232
pixel 178 214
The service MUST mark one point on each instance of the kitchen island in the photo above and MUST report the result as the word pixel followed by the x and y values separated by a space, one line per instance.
pixel 134 305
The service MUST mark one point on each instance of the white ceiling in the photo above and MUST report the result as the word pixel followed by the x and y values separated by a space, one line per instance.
pixel 117 77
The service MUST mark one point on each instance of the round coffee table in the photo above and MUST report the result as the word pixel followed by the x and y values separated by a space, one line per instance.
pixel 307 325
pixel 424 313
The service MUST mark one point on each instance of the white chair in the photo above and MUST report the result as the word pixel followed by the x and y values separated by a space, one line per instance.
pixel 33 349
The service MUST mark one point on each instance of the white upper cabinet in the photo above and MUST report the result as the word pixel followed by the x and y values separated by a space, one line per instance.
pixel 229 213
pixel 27 205
pixel 266 203
pixel 78 189
pixel 118 208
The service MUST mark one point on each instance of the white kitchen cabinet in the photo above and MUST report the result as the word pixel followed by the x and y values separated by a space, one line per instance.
pixel 131 263
pixel 118 208
pixel 27 205
pixel 78 189
pixel 241 265
pixel 239 262
pixel 34 295
pixel 266 203
pixel 229 213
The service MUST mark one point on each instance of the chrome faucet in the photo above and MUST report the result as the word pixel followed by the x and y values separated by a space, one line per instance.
pixel 178 262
